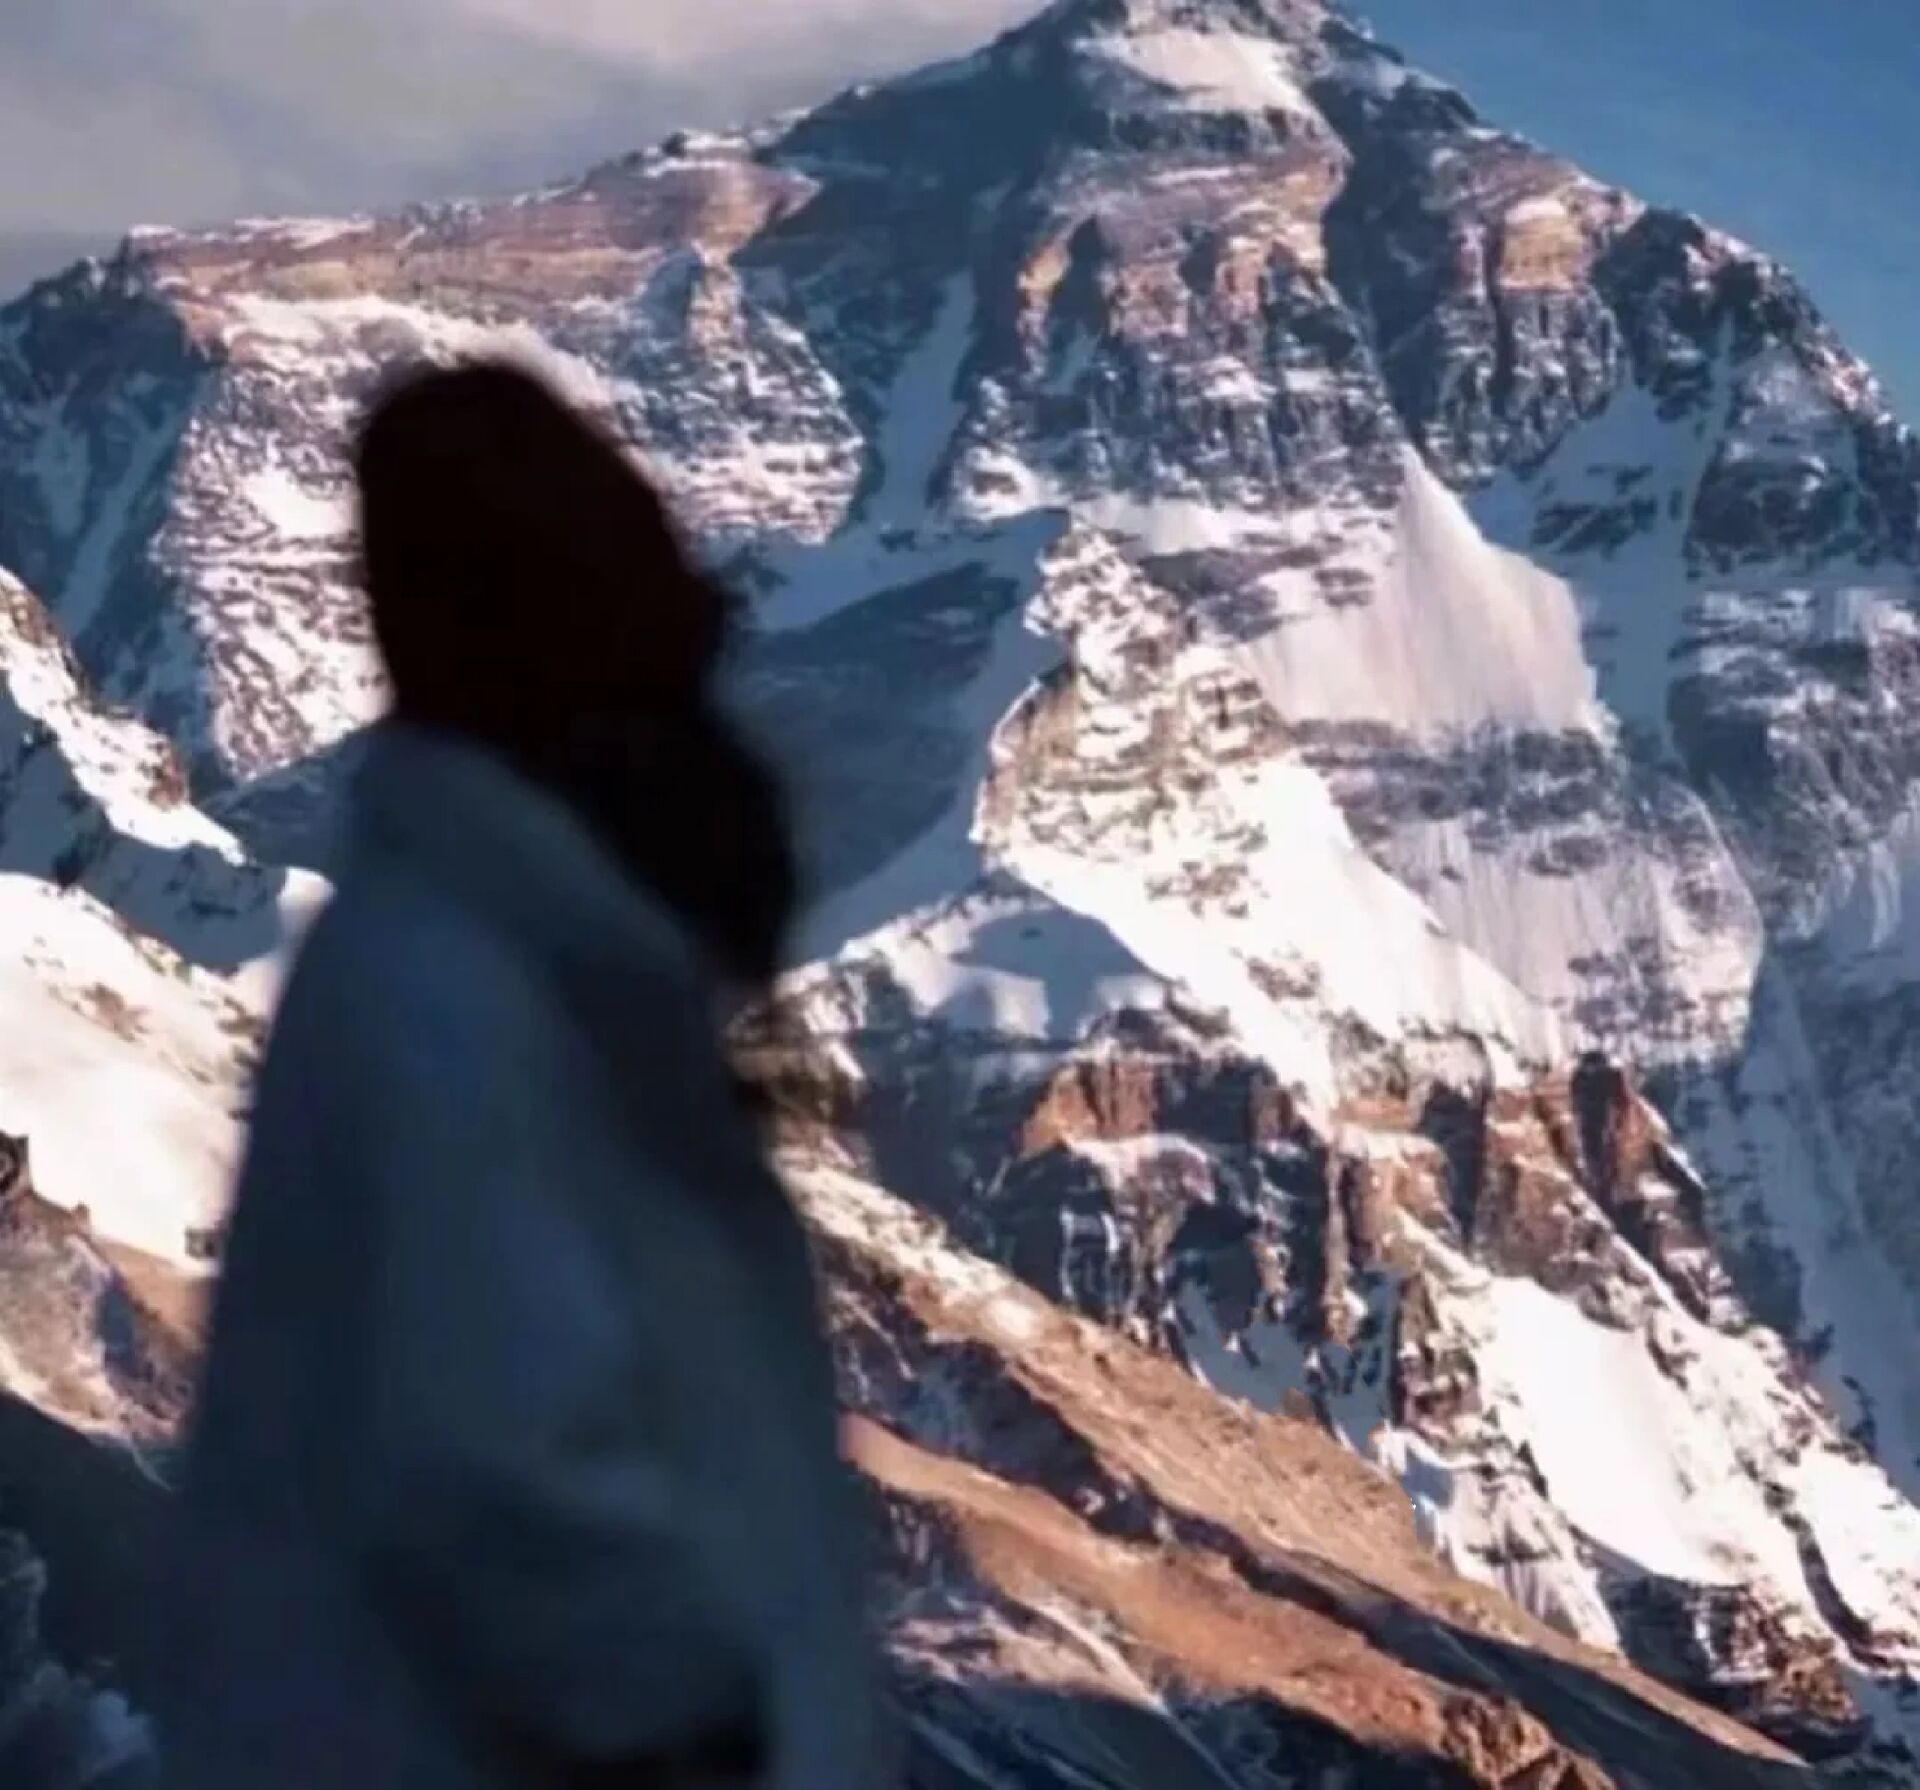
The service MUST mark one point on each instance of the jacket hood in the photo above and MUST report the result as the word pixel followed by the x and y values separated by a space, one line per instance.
pixel 491 838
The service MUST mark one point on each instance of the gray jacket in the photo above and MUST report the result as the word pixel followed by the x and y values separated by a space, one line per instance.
pixel 516 1442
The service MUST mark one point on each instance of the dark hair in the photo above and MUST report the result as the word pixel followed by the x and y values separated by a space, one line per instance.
pixel 528 592
pixel 521 568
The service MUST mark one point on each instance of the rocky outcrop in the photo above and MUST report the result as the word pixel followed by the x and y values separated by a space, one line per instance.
pixel 1082 1541
pixel 95 1334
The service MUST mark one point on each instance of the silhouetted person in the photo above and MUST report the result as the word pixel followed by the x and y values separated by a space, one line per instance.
pixel 515 1461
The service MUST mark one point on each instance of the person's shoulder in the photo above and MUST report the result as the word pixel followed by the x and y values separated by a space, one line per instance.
pixel 394 957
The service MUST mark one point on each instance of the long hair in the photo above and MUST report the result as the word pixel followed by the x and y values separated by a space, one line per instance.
pixel 529 593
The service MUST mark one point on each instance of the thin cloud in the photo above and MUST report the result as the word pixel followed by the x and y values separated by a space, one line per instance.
pixel 189 111
pixel 696 36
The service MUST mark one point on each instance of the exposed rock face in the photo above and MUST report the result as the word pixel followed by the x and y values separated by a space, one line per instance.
pixel 1092 1560
pixel 92 1334
pixel 1350 691
pixel 1344 1277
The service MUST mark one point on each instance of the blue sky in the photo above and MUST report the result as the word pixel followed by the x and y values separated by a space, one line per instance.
pixel 1792 123
pixel 1795 123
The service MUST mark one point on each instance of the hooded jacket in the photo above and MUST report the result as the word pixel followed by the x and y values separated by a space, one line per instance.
pixel 515 1461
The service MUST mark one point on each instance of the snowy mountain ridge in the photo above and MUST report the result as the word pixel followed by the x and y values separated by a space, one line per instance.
pixel 1348 689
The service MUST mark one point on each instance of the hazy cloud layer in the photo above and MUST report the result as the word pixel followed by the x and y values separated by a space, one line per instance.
pixel 1801 136
pixel 115 112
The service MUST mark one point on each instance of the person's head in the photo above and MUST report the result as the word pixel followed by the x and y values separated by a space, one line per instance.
pixel 528 593
pixel 522 572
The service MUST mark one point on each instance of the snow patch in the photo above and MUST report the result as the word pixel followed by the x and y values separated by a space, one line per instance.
pixel 1012 966
pixel 115 1070
pixel 1364 943
pixel 296 329
pixel 1168 525
pixel 1211 70
pixel 1519 1546
pixel 62 467
pixel 1456 634
pixel 1650 1474
pixel 1633 475
pixel 303 235
pixel 1872 931
pixel 1768 1142
pixel 290 509
pixel 1626 949
pixel 924 411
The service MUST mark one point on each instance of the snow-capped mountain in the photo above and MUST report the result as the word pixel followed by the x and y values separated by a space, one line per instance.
pixel 140 957
pixel 1352 693
pixel 141 951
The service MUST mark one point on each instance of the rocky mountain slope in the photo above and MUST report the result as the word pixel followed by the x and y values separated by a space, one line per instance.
pixel 1351 690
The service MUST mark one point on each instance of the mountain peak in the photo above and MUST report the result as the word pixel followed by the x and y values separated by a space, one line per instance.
pixel 1261 57
pixel 1301 27
pixel 1350 694
pixel 1273 18
pixel 1107 73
